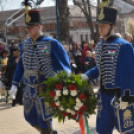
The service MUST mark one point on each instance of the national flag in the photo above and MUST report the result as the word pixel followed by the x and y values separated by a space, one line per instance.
pixel 111 52
pixel 44 49
pixel 83 123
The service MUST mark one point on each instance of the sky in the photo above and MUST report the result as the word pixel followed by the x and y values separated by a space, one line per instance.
pixel 15 4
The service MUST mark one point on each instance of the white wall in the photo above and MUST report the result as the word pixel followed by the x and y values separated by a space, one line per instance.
pixel 76 34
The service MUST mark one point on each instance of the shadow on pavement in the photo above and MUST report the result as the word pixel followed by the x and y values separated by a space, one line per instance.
pixel 4 105
pixel 92 131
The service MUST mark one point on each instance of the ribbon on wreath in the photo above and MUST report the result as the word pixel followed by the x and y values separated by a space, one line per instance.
pixel 83 123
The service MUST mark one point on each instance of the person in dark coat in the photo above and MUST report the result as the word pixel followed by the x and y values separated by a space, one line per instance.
pixel 11 65
pixel 92 62
pixel 77 56
pixel 11 48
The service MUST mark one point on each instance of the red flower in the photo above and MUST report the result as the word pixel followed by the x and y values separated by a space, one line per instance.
pixel 79 112
pixel 65 114
pixel 72 87
pixel 52 93
pixel 83 107
pixel 54 105
pixel 74 115
pixel 83 97
pixel 59 86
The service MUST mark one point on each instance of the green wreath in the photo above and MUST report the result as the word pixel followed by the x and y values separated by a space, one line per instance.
pixel 69 96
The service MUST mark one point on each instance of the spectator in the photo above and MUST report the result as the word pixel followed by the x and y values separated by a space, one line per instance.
pixel 129 38
pixel 3 67
pixel 71 58
pixel 63 43
pixel 11 48
pixel 2 46
pixel 87 47
pixel 80 47
pixel 83 43
pixel 11 65
pixel 77 56
pixel 86 60
pixel 92 62
pixel 70 48
pixel 118 34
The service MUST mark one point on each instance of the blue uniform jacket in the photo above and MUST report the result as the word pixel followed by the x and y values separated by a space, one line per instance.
pixel 116 66
pixel 49 57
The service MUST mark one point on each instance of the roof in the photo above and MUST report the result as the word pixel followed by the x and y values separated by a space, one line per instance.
pixel 131 2
pixel 123 7
pixel 49 12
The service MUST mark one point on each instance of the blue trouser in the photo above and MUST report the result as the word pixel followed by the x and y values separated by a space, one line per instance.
pixel 35 111
pixel 106 115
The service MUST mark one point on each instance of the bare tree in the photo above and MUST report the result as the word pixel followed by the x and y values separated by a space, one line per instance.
pixel 85 7
pixel 63 11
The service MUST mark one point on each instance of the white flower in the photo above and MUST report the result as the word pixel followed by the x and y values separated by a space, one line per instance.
pixel 68 110
pixel 61 108
pixel 72 112
pixel 57 103
pixel 55 98
pixel 58 93
pixel 78 100
pixel 79 104
pixel 76 108
pixel 65 92
pixel 73 93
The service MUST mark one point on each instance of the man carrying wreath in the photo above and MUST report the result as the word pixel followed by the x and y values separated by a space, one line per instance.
pixel 115 66
pixel 40 57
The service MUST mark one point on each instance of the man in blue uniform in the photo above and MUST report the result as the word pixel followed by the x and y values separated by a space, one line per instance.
pixel 115 66
pixel 40 57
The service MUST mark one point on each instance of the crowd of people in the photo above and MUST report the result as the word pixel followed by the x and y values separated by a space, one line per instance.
pixel 82 56
pixel 8 62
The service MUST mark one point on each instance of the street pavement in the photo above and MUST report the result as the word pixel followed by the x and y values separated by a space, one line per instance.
pixel 12 122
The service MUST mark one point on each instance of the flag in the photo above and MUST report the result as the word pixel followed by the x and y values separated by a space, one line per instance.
pixel 83 123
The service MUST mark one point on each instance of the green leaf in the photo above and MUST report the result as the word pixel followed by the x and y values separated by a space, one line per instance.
pixel 60 118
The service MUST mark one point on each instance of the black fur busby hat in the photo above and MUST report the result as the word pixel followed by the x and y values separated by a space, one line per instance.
pixel 107 15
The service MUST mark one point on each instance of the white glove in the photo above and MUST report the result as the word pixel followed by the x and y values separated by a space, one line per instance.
pixel 123 105
pixel 84 77
pixel 74 65
pixel 13 92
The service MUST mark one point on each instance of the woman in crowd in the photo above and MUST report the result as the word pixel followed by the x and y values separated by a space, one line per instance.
pixel 87 47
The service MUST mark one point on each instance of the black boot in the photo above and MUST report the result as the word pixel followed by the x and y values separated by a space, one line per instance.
pixel 47 131
pixel 13 103
pixel 37 127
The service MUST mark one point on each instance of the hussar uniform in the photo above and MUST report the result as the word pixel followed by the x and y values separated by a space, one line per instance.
pixel 115 66
pixel 38 60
